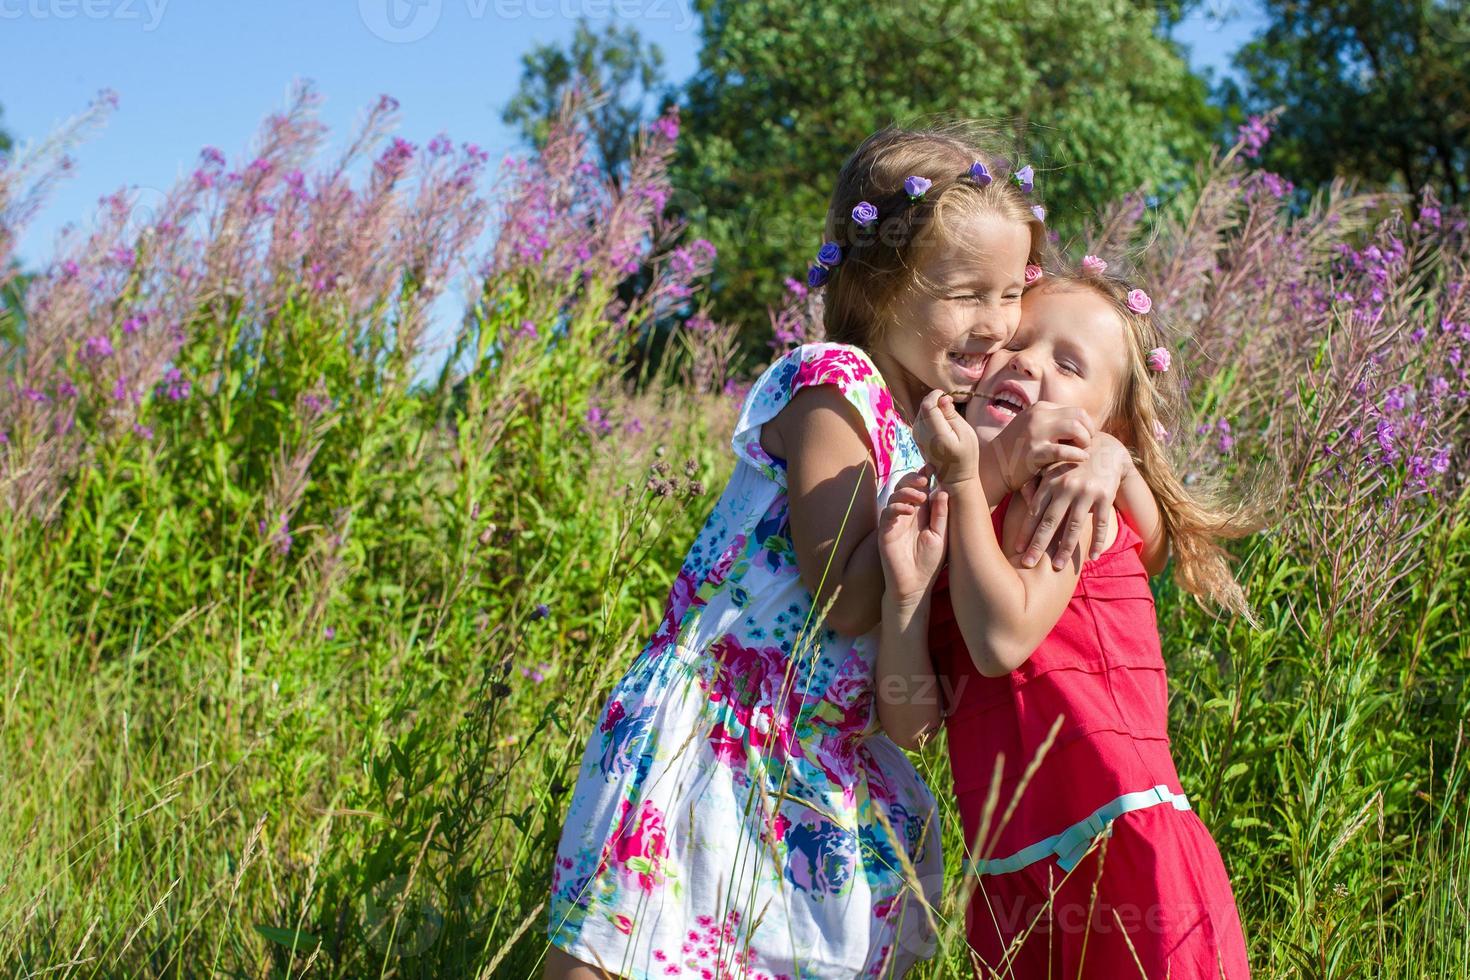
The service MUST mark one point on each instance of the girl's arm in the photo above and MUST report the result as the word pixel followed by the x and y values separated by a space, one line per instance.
pixel 1004 609
pixel 831 484
pixel 1141 510
pixel 903 677
pixel 911 541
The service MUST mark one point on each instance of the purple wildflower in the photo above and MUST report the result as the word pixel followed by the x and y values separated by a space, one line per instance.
pixel 597 421
pixel 667 125
pixel 1253 135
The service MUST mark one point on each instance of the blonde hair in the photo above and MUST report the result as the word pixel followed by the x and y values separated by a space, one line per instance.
pixel 1197 517
pixel 878 262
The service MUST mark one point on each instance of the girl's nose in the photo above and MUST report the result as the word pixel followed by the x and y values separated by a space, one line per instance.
pixel 992 327
pixel 1025 362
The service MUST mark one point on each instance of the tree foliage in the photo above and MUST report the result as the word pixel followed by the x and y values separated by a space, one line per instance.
pixel 621 72
pixel 1092 94
pixel 1373 89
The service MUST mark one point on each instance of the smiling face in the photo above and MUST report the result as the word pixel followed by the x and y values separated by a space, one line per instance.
pixel 1070 349
pixel 964 303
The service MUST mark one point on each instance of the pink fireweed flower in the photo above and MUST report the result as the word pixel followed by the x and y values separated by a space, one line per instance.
pixel 1253 136
pixel 97 348
pixel 667 125
pixel 1139 302
pixel 597 421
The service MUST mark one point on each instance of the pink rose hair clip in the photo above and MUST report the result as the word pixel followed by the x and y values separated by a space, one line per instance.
pixel 1139 302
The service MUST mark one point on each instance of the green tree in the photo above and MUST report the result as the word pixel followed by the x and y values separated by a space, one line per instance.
pixel 1373 89
pixel 625 74
pixel 1096 98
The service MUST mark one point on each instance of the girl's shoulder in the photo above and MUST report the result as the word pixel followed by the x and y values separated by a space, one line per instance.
pixel 847 369
pixel 820 363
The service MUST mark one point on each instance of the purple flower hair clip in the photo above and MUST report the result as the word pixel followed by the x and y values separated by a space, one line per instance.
pixel 864 214
pixel 1039 212
pixel 829 256
pixel 1025 179
pixel 980 174
pixel 915 187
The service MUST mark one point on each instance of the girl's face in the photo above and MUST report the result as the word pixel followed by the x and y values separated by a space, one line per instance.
pixel 1070 349
pixel 941 336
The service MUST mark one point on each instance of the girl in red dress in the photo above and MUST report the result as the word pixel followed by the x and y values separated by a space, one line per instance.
pixel 1088 860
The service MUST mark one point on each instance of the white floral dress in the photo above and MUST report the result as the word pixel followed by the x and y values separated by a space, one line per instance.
pixel 738 812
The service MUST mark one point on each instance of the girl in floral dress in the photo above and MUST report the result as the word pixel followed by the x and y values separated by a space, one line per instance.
pixel 737 812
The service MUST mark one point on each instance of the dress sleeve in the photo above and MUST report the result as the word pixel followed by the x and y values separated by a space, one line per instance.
pixel 854 375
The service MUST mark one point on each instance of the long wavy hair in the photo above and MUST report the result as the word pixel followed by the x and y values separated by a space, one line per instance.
pixel 1144 412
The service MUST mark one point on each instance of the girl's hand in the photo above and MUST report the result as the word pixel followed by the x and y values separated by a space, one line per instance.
pixel 1043 434
pixel 1060 498
pixel 911 538
pixel 947 441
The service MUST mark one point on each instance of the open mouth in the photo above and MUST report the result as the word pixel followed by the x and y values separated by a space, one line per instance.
pixel 1006 403
pixel 968 367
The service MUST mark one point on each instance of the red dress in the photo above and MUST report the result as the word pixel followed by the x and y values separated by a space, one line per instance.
pixel 1163 901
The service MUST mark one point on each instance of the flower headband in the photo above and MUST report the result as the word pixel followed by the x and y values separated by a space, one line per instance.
pixel 865 214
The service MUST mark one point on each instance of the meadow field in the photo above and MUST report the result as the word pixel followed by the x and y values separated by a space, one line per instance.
pixel 306 611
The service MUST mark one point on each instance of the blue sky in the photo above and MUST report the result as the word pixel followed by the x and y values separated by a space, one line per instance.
pixel 192 73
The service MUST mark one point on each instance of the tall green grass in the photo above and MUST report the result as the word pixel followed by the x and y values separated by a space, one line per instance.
pixel 296 682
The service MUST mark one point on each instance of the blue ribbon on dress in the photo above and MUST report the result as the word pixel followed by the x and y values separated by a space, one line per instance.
pixel 1072 844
